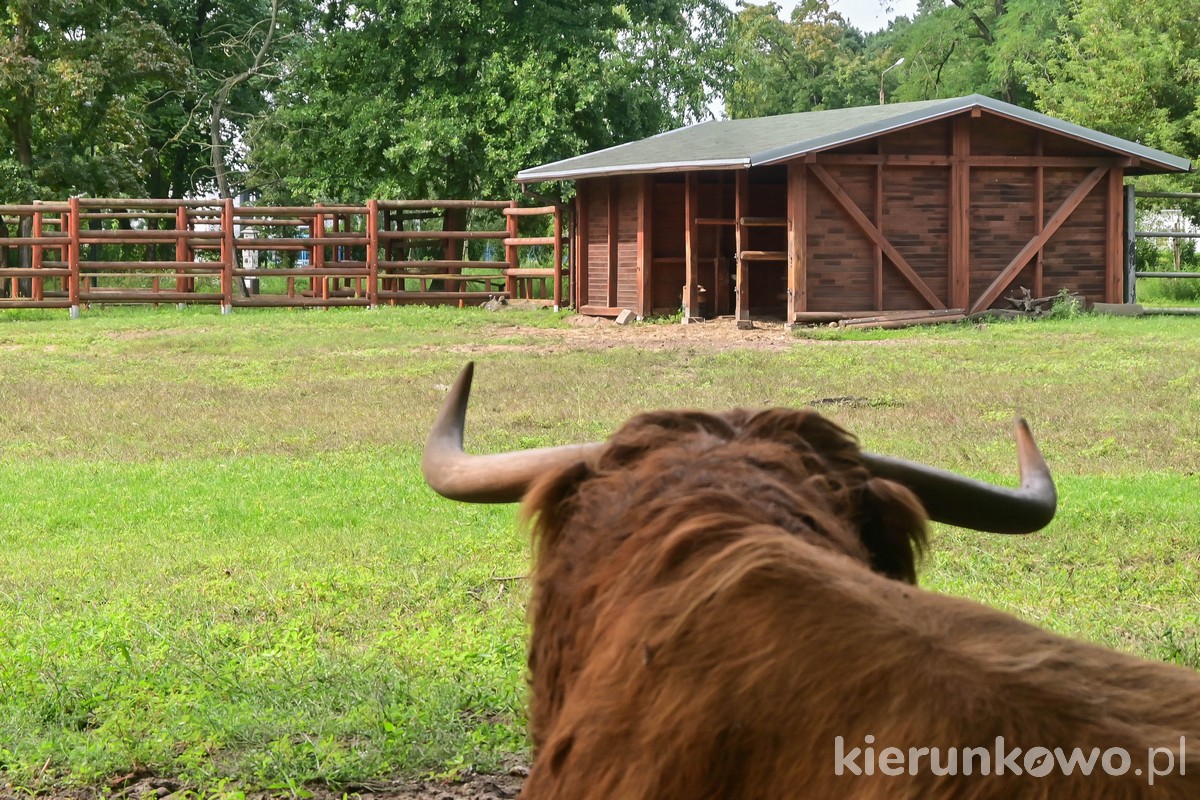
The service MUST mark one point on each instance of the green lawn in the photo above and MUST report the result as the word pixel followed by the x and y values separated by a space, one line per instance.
pixel 218 560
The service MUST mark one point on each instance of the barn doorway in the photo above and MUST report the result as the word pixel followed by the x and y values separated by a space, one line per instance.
pixel 761 234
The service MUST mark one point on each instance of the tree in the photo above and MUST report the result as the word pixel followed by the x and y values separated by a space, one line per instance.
pixel 815 61
pixel 1130 68
pixel 75 77
pixel 424 98
pixel 232 50
pixel 990 47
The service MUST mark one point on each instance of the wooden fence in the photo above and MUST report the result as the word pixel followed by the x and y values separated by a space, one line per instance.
pixel 70 254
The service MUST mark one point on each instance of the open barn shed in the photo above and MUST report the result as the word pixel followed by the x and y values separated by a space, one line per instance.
pixel 909 206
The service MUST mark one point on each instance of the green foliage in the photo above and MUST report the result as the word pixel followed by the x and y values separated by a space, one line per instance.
pixel 424 98
pixel 974 46
pixel 1129 68
pixel 1066 306
pixel 74 81
pixel 812 62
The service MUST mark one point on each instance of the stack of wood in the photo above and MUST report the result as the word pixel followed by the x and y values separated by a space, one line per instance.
pixel 904 319
pixel 1024 304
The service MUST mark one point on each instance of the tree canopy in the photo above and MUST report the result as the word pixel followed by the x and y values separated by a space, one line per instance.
pixel 306 100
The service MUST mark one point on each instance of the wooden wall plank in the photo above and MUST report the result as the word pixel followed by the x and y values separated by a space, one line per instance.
pixel 960 215
pixel 741 204
pixel 1060 216
pixel 1114 262
pixel 614 237
pixel 867 227
pixel 797 239
pixel 691 206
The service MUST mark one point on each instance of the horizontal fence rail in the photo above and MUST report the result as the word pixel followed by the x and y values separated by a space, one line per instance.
pixel 89 250
pixel 1132 235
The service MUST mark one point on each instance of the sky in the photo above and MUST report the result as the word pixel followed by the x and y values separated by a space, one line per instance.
pixel 866 15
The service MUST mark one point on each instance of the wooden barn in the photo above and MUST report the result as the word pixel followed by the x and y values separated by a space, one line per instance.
pixel 935 204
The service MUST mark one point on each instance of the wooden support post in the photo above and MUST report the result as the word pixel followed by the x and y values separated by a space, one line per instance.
pixel 614 252
pixel 581 241
pixel 878 277
pixel 558 256
pixel 1039 217
pixel 1114 262
pixel 228 255
pixel 316 233
pixel 511 254
pixel 35 258
pixel 797 240
pixel 372 253
pixel 645 260
pixel 691 243
pixel 960 214
pixel 182 251
pixel 741 198
pixel 73 256
pixel 1130 245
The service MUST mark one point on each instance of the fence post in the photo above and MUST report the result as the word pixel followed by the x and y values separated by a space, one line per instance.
pixel 372 253
pixel 558 254
pixel 35 258
pixel 1130 244
pixel 73 256
pixel 228 255
pixel 182 251
pixel 510 253
pixel 317 259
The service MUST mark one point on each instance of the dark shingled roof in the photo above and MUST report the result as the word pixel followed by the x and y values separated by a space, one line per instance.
pixel 743 143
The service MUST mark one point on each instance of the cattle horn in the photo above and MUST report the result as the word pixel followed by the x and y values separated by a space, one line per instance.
pixel 966 503
pixel 498 478
pixel 947 497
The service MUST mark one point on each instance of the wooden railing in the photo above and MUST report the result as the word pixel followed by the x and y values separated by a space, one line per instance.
pixel 84 251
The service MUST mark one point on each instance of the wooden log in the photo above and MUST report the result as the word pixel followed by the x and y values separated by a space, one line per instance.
pixel 763 255
pixel 35 272
pixel 146 296
pixel 904 323
pixel 426 204
pixel 528 212
pixel 904 315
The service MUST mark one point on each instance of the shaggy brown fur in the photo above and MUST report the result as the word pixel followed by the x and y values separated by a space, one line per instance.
pixel 717 597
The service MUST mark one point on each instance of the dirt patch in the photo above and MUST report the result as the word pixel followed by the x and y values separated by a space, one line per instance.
pixel 718 335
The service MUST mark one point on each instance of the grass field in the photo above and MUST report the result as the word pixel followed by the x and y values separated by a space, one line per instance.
pixel 218 560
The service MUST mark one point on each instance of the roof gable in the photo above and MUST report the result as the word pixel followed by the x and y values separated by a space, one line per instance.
pixel 744 143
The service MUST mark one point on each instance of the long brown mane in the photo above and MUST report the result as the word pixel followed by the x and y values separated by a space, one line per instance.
pixel 674 490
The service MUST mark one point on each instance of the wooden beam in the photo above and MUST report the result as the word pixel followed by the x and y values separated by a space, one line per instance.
pixel 741 201
pixel 995 162
pixel 875 236
pixel 797 239
pixel 1113 256
pixel 691 243
pixel 960 215
pixel 645 186
pixel 580 290
pixel 1039 219
pixel 1060 216
pixel 613 240
pixel 877 277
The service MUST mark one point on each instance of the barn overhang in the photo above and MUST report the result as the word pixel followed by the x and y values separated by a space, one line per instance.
pixel 745 143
